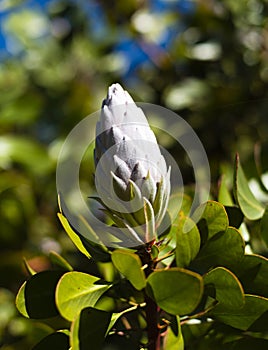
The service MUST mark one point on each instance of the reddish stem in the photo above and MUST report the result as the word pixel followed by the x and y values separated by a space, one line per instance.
pixel 151 310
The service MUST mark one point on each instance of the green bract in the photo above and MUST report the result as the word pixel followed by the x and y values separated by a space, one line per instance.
pixel 131 178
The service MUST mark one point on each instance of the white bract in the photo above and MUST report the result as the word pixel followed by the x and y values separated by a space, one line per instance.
pixel 131 177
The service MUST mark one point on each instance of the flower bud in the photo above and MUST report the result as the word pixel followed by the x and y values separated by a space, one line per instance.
pixel 131 177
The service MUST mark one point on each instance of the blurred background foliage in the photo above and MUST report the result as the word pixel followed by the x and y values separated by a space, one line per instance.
pixel 206 59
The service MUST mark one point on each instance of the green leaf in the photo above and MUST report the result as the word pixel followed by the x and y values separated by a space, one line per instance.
pixel 244 317
pixel 77 290
pixel 168 248
pixel 224 196
pixel 260 325
pixel 174 339
pixel 177 291
pixel 224 249
pixel 188 241
pixel 211 218
pixel 59 261
pixel 58 340
pixel 250 206
pixel 129 264
pixel 89 328
pixel 117 315
pixel 20 301
pixel 36 297
pixel 73 236
pixel 90 248
pixel 178 204
pixel 28 268
pixel 107 271
pixel 98 250
pixel 253 272
pixel 227 288
pixel 264 227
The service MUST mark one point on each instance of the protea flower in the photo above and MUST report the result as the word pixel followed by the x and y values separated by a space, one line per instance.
pixel 131 177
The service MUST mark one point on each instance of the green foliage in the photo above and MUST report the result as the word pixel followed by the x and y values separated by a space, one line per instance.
pixel 209 280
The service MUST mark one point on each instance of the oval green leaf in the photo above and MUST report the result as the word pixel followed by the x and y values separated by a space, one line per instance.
pixel 244 317
pixel 228 290
pixel 211 218
pixel 129 264
pixel 225 249
pixel 36 297
pixel 77 290
pixel 89 329
pixel 253 272
pixel 177 291
pixel 188 241
pixel 174 339
pixel 250 206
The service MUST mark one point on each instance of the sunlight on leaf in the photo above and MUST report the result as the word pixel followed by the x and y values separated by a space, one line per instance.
pixel 129 264
pixel 77 290
pixel 250 206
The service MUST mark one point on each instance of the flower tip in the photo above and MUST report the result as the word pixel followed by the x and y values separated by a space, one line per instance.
pixel 112 91
pixel 116 95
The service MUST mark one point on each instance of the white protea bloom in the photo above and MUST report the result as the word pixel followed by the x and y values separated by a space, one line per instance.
pixel 131 178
